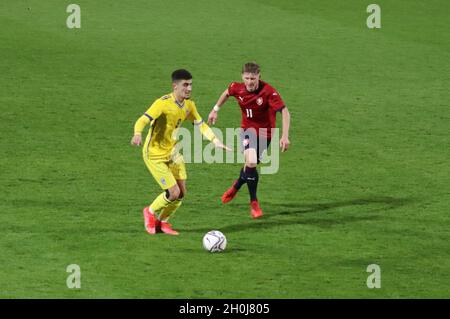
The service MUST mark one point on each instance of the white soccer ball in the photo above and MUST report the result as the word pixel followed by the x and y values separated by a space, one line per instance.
pixel 214 241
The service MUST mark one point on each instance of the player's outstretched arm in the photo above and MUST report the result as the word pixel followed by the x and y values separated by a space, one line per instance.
pixel 218 143
pixel 209 134
pixel 213 115
pixel 286 120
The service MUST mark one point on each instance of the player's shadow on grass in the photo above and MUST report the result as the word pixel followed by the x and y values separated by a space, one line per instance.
pixel 333 213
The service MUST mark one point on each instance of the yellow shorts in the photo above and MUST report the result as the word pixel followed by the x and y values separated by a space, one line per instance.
pixel 165 171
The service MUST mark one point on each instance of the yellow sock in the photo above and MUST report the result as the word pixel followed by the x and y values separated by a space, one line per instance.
pixel 169 210
pixel 160 202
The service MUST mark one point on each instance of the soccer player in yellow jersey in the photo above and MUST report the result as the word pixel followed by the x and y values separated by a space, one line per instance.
pixel 166 165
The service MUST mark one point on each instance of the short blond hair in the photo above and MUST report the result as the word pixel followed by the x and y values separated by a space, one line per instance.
pixel 251 67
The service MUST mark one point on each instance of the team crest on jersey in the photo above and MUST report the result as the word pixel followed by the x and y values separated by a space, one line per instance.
pixel 259 101
pixel 163 181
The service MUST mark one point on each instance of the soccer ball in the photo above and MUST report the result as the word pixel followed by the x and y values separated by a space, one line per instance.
pixel 214 241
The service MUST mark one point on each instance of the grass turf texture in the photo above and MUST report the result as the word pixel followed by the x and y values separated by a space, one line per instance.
pixel 366 179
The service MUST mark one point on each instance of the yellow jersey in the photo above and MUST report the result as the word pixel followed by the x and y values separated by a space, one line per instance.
pixel 166 115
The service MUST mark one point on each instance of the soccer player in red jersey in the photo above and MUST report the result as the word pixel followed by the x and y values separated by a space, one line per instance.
pixel 259 103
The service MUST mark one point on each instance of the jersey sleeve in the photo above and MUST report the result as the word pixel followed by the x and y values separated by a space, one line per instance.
pixel 232 89
pixel 140 124
pixel 276 103
pixel 197 120
pixel 194 116
pixel 154 111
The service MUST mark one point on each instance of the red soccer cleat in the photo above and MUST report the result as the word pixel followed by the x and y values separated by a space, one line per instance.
pixel 167 229
pixel 255 209
pixel 229 194
pixel 150 221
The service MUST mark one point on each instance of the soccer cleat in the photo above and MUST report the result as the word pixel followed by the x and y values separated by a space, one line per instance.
pixel 255 209
pixel 167 229
pixel 150 221
pixel 229 194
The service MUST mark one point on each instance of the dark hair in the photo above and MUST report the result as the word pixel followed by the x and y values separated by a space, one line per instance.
pixel 181 74
pixel 251 67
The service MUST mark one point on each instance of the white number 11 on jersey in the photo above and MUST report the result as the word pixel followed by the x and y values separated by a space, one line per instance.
pixel 249 113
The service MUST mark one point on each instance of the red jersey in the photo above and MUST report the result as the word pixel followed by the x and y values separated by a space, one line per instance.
pixel 259 107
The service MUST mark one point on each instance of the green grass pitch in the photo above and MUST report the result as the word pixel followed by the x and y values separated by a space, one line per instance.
pixel 366 180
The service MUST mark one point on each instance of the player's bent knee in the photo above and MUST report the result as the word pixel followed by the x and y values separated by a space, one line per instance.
pixel 251 164
pixel 183 189
pixel 174 192
pixel 251 159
